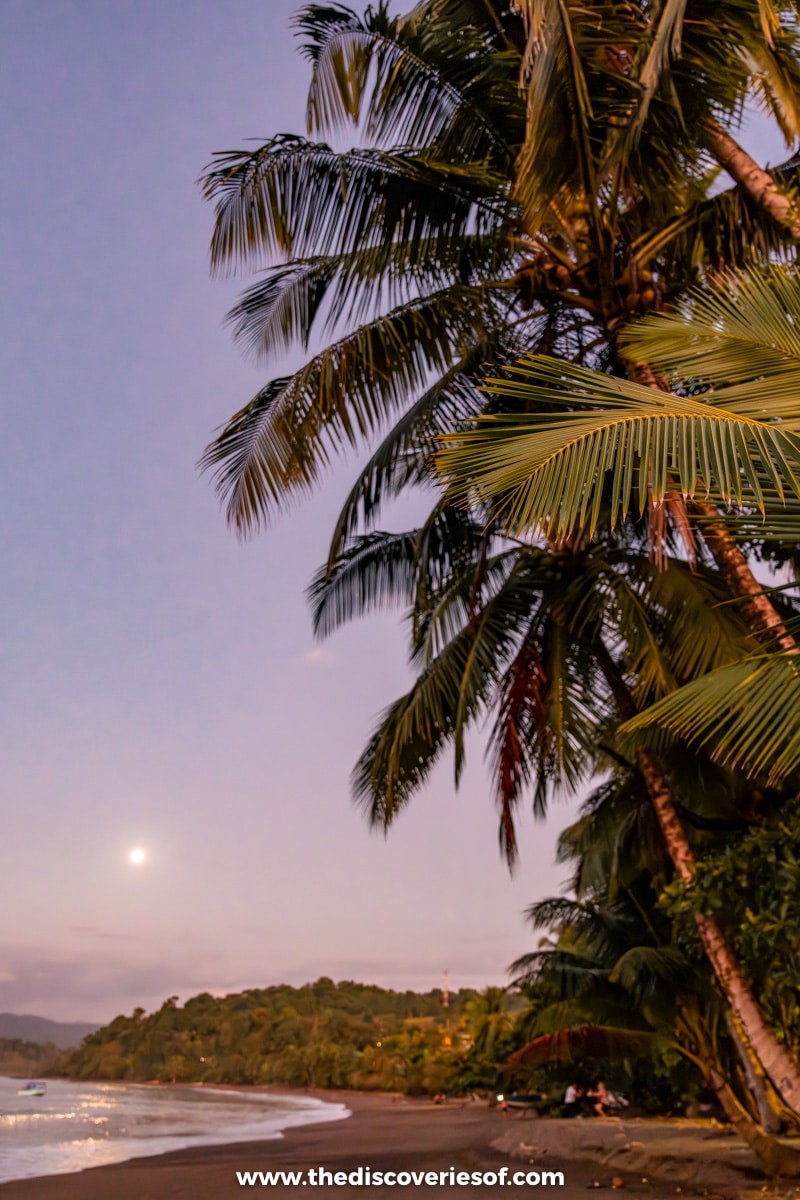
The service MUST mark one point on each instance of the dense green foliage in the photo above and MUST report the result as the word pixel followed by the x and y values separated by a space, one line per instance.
pixel 321 1035
pixel 753 884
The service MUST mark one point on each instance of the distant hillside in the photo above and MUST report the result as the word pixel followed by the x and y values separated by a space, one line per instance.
pixel 66 1035
pixel 323 1035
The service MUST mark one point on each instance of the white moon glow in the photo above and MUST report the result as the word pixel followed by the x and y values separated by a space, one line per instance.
pixel 137 856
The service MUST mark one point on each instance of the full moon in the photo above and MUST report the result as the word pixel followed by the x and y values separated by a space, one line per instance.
pixel 136 856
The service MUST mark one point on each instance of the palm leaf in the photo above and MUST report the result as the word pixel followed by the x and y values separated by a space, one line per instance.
pixel 279 310
pixel 299 198
pixel 664 47
pixel 413 731
pixel 746 327
pixel 666 962
pixel 745 715
pixel 280 442
pixel 405 456
pixel 709 231
pixel 589 1041
pixel 621 443
pixel 375 571
pixel 409 101
pixel 553 69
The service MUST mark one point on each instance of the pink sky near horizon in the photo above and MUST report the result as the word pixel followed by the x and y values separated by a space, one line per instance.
pixel 160 683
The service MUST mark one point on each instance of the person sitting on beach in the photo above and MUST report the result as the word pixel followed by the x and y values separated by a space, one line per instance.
pixel 601 1100
pixel 573 1101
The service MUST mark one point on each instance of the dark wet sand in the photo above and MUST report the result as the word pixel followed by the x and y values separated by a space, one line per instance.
pixel 403 1136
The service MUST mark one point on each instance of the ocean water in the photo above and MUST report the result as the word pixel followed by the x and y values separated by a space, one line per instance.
pixel 79 1125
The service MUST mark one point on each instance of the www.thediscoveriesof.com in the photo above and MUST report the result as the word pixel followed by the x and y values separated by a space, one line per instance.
pixel 365 1177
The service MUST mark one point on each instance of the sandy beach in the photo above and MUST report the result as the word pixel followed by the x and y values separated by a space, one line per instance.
pixel 692 1160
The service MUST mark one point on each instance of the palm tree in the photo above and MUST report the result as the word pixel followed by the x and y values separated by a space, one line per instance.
pixel 619 443
pixel 488 1019
pixel 619 988
pixel 476 223
pixel 550 643
pixel 464 232
pixel 614 958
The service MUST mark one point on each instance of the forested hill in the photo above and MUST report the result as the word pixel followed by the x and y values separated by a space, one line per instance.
pixel 323 1035
pixel 27 1027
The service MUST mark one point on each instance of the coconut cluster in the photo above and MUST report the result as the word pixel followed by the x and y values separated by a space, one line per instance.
pixel 635 290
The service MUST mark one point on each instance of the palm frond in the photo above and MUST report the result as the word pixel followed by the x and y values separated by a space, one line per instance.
pixel 279 311
pixel 378 62
pixel 713 231
pixel 704 631
pixel 664 48
pixel 744 715
pixel 745 327
pixel 559 110
pixel 589 1041
pixel 301 199
pixel 517 745
pixel 666 962
pixel 620 444
pixel 773 66
pixel 374 571
pixel 446 696
pixel 279 443
pixel 405 455
pixel 779 523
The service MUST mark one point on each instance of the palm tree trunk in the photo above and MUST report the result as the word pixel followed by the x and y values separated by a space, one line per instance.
pixel 768 1115
pixel 740 579
pixel 754 181
pixel 774 1156
pixel 774 1058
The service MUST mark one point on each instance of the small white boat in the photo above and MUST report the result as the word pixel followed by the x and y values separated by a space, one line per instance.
pixel 34 1088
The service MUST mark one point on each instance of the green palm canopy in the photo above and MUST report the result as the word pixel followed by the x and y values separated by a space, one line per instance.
pixel 730 432
pixel 478 220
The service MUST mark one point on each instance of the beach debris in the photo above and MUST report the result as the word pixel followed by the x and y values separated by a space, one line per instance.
pixel 618 1182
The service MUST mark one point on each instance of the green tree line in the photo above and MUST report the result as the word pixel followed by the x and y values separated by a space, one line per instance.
pixel 326 1034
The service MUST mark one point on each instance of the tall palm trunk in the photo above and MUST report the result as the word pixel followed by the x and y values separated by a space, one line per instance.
pixel 757 183
pixel 768 1113
pixel 774 1058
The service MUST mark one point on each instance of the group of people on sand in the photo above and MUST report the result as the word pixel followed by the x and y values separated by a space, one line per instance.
pixel 587 1102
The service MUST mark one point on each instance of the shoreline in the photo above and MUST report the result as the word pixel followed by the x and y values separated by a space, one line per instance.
pixel 385 1133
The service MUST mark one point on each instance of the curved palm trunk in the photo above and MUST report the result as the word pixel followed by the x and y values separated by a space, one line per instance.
pixel 774 1156
pixel 763 618
pixel 754 181
pixel 774 1058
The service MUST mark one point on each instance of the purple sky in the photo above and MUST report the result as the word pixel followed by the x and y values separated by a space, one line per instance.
pixel 159 684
